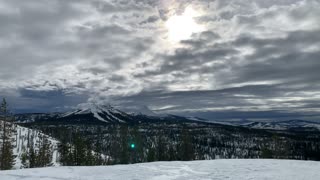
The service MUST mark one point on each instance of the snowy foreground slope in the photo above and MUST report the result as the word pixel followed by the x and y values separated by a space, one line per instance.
pixel 196 170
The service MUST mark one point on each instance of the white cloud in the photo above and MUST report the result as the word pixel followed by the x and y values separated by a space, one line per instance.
pixel 115 49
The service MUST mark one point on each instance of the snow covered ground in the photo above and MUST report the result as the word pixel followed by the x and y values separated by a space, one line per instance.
pixel 196 170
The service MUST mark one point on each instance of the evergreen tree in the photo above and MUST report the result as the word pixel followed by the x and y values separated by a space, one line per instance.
pixel 172 153
pixel 151 157
pixel 115 148
pixel 89 158
pixel 7 130
pixel 32 154
pixel 124 156
pixel 98 149
pixel 79 151
pixel 187 151
pixel 137 154
pixel 24 160
pixel 161 147
pixel 65 154
pixel 65 147
pixel 45 154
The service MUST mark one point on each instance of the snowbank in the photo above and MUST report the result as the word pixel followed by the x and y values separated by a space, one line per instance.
pixel 196 170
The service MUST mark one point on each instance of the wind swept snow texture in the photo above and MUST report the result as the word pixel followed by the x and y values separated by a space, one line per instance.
pixel 196 170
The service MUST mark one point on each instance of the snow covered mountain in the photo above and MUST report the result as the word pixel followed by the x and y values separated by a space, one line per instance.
pixel 201 170
pixel 104 113
pixel 97 114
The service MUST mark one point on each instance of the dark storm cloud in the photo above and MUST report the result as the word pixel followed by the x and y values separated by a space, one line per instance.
pixel 150 19
pixel 184 59
pixel 191 100
pixel 29 101
pixel 284 59
pixel 247 102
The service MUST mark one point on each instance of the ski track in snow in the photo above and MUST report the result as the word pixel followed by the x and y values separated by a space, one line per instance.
pixel 196 170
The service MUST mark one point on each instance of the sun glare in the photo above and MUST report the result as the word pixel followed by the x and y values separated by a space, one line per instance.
pixel 181 27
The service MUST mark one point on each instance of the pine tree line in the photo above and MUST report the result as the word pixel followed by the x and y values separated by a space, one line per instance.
pixel 124 145
pixel 80 152
pixel 163 142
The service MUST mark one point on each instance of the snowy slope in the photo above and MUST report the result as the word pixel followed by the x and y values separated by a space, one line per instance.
pixel 21 144
pixel 197 170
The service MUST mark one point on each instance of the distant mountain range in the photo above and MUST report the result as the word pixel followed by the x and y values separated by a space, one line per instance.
pixel 98 114
pixel 104 114
pixel 293 125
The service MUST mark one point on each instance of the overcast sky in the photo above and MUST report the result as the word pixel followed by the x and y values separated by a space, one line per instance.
pixel 209 58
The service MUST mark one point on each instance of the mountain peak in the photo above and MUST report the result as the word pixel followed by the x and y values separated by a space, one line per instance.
pixel 105 113
pixel 93 113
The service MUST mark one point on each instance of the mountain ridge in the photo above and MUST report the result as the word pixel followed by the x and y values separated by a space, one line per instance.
pixel 107 114
pixel 98 114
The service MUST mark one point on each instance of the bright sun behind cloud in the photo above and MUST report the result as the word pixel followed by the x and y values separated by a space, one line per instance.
pixel 181 27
